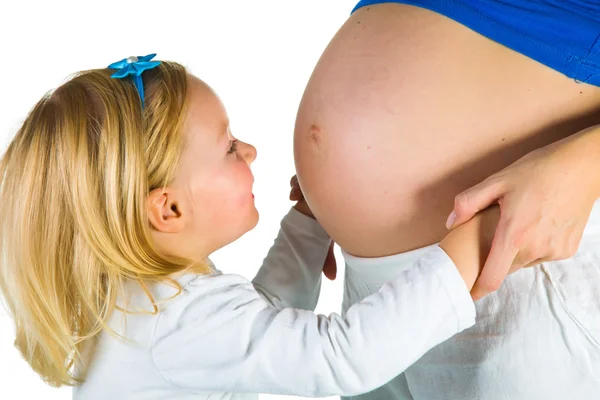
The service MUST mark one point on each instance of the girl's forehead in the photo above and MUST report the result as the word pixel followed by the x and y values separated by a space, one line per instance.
pixel 205 108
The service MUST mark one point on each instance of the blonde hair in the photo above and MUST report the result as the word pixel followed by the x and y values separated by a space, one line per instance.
pixel 73 222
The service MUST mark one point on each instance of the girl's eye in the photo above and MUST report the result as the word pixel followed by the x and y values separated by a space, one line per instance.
pixel 232 147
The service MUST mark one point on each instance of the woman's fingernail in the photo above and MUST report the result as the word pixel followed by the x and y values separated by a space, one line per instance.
pixel 451 220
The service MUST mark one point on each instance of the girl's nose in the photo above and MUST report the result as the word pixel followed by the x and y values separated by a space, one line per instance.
pixel 247 151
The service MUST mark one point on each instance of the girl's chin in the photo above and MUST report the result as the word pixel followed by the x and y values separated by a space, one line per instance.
pixel 251 219
pixel 255 217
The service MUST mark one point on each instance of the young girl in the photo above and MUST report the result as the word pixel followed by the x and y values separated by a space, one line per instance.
pixel 114 193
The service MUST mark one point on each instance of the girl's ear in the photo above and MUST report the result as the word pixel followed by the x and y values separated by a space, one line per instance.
pixel 164 211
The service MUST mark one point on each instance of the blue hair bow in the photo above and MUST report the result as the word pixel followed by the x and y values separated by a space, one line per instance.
pixel 134 66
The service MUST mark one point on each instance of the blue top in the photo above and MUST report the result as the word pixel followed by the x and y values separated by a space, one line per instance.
pixel 561 34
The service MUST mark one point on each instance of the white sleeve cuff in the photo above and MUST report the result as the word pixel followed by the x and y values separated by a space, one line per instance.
pixel 455 286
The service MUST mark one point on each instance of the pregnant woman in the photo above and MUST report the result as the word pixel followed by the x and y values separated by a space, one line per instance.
pixel 411 105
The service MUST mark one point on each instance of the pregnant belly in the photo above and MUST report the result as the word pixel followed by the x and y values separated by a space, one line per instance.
pixel 407 108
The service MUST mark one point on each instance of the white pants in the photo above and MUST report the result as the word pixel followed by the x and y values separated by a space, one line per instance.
pixel 537 337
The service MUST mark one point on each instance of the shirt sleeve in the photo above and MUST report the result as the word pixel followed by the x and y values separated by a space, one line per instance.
pixel 222 336
pixel 290 276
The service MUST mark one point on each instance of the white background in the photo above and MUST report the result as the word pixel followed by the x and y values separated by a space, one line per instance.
pixel 258 56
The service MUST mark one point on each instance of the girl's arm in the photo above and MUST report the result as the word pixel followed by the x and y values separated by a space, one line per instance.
pixel 223 336
pixel 290 276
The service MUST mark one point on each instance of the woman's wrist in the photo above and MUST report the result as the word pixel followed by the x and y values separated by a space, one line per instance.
pixel 584 146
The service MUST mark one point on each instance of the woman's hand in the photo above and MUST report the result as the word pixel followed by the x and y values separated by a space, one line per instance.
pixel 329 266
pixel 545 201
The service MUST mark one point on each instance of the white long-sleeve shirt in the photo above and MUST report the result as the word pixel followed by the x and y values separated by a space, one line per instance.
pixel 225 337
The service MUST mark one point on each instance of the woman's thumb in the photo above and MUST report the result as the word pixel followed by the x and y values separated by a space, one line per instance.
pixel 473 200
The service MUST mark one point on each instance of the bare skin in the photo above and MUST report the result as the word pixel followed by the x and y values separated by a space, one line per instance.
pixel 406 109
